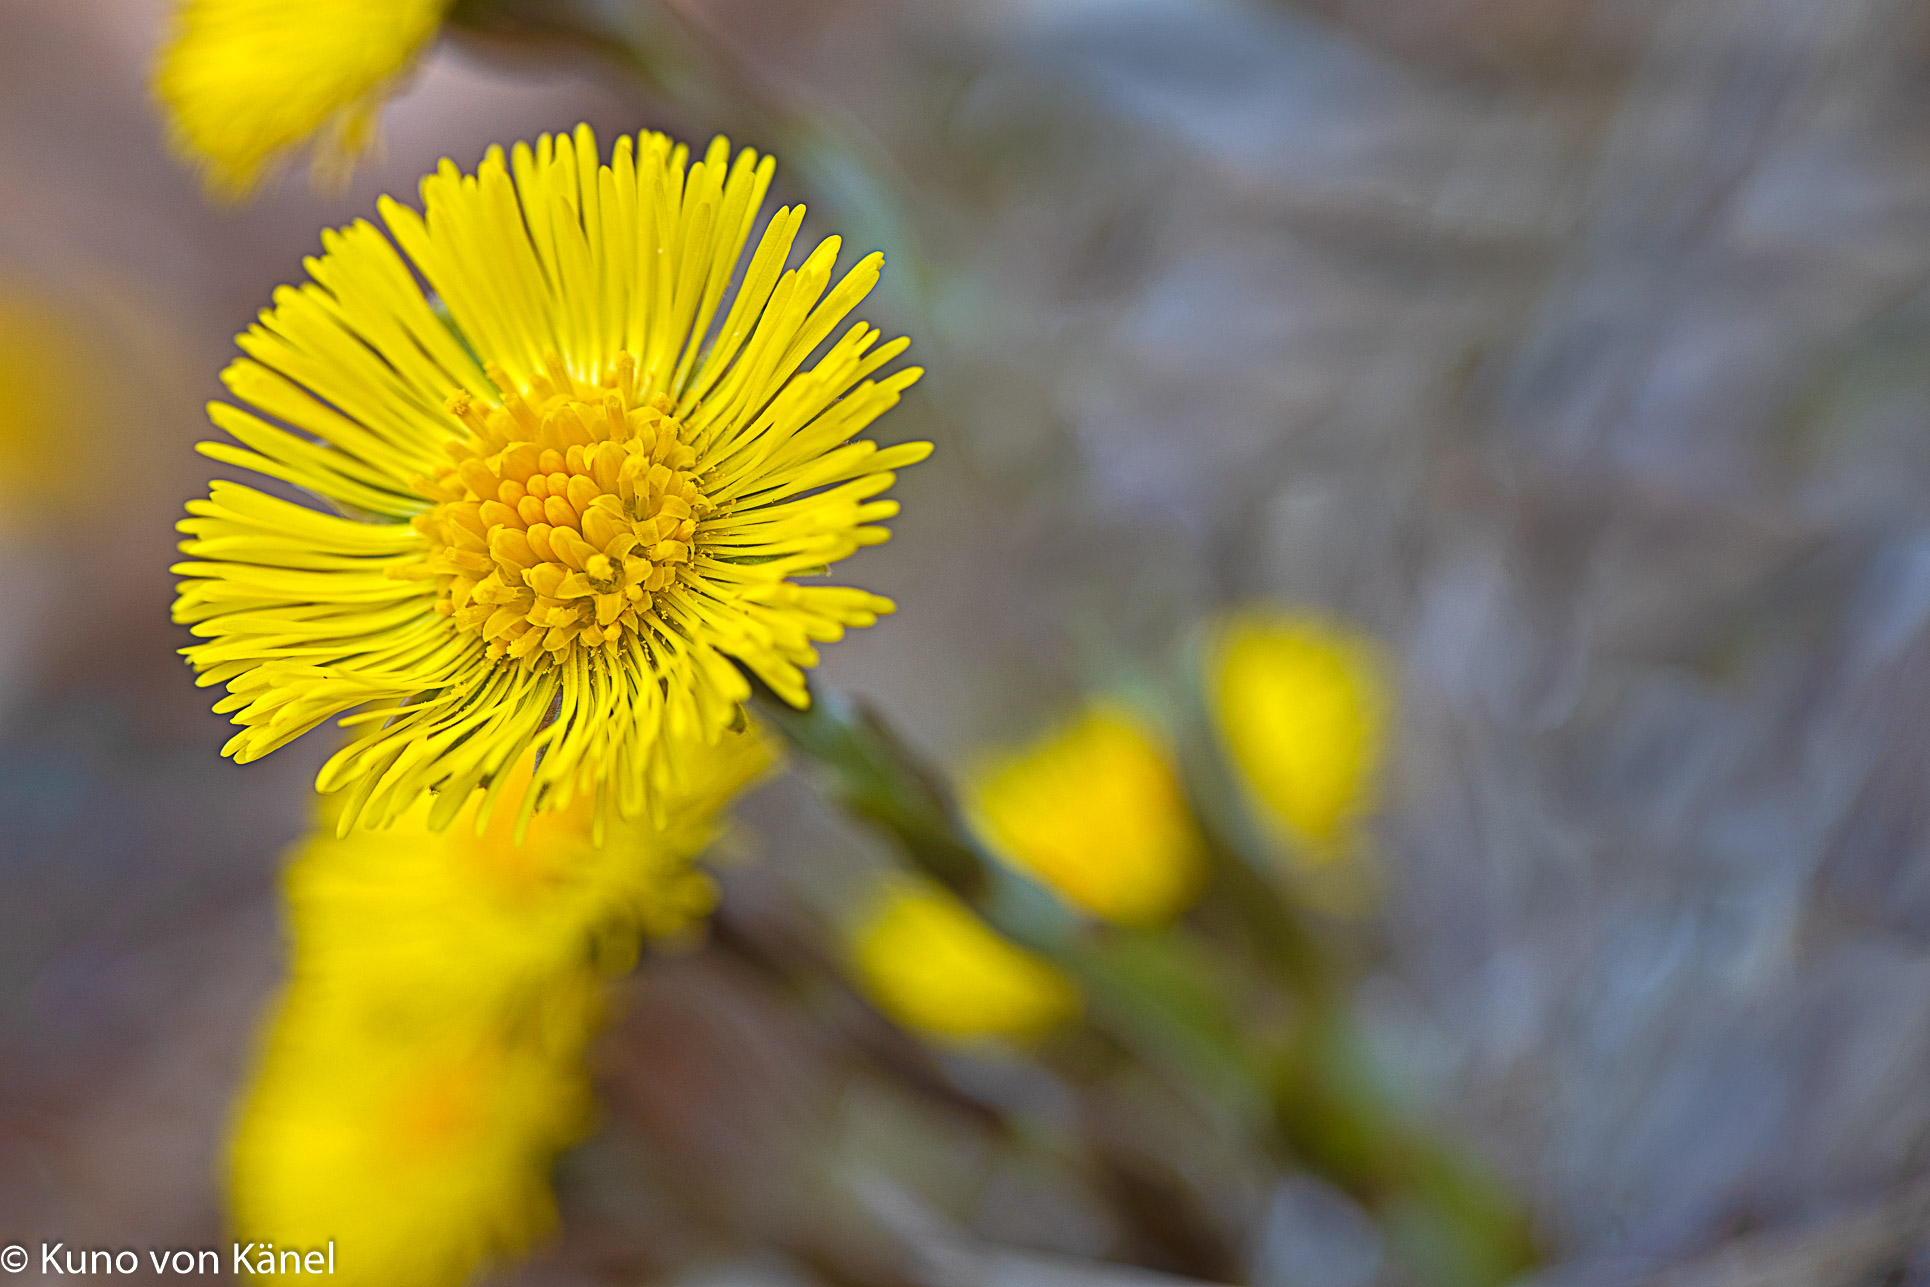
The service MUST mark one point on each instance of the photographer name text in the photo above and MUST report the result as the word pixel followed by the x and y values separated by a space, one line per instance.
pixel 244 1258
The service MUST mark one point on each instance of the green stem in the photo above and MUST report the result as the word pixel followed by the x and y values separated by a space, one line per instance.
pixel 871 774
pixel 1317 1102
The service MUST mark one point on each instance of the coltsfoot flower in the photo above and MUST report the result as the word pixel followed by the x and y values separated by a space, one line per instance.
pixel 421 1153
pixel 567 490
pixel 1301 704
pixel 934 967
pixel 1095 810
pixel 424 1063
pixel 471 919
pixel 51 445
pixel 245 82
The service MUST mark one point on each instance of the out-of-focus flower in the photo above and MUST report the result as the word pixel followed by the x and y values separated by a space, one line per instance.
pixel 244 82
pixel 423 1067
pixel 421 1152
pixel 1301 705
pixel 1095 810
pixel 49 407
pixel 465 919
pixel 933 966
pixel 570 492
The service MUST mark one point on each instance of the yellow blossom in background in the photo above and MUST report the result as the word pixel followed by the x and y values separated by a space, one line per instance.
pixel 424 1065
pixel 422 1151
pixel 50 408
pixel 447 920
pixel 927 961
pixel 1095 810
pixel 1301 704
pixel 566 497
pixel 245 82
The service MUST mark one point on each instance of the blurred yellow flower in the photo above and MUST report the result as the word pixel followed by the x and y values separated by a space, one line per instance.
pixel 50 407
pixel 564 499
pixel 408 1154
pixel 244 82
pixel 927 961
pixel 423 1066
pixel 1095 810
pixel 459 919
pixel 1301 704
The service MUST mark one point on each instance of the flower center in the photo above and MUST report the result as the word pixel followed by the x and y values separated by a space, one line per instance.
pixel 567 512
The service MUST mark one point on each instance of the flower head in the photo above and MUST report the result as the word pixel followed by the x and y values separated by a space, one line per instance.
pixel 424 1064
pixel 1095 810
pixel 421 1152
pixel 50 408
pixel 933 966
pixel 244 82
pixel 1301 705
pixel 567 494
pixel 471 919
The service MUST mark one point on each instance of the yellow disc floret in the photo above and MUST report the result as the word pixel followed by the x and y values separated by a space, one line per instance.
pixel 563 536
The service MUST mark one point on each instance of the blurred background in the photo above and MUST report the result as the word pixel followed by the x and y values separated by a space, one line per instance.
pixel 1578 351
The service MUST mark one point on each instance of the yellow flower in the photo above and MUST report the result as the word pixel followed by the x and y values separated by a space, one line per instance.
pixel 244 82
pixel 566 494
pixel 420 1152
pixel 1301 704
pixel 409 918
pixel 424 1064
pixel 1095 810
pixel 933 966
pixel 50 409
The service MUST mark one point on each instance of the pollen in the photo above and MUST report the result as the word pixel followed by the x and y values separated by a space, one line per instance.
pixel 564 516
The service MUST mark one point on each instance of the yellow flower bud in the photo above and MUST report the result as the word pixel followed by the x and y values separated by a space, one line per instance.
pixel 1301 704
pixel 934 967
pixel 1095 810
